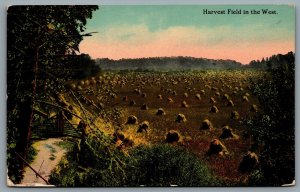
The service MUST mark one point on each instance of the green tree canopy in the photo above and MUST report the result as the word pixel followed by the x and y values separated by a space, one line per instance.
pixel 39 38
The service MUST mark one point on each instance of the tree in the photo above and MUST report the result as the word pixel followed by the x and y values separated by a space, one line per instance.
pixel 274 129
pixel 38 40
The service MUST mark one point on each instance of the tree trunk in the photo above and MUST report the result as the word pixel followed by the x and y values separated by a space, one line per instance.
pixel 26 113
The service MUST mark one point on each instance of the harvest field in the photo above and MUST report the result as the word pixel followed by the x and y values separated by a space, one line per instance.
pixel 192 94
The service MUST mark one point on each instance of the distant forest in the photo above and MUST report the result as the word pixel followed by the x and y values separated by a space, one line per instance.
pixel 166 63
pixel 187 63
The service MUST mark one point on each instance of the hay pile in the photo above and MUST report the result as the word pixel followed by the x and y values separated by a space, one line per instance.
pixel 254 108
pixel 184 104
pixel 132 102
pixel 173 136
pixel 227 133
pixel 132 120
pixel 143 127
pixel 212 100
pixel 245 98
pixel 118 135
pixel 170 100
pixel 234 115
pixel 159 96
pixel 144 107
pixel 214 109
pixel 206 124
pixel 225 97
pixel 198 96
pixel 217 147
pixel 249 162
pixel 160 111
pixel 180 118
pixel 230 103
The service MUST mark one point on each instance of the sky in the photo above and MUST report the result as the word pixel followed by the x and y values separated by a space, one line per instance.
pixel 136 31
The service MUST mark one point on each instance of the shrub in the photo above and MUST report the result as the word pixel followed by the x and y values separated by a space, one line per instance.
pixel 165 165
pixel 158 165
pixel 274 131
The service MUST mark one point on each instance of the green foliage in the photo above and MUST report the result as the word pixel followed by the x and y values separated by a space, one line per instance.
pixel 159 165
pixel 166 165
pixel 32 153
pixel 274 130
pixel 82 66
pixel 256 178
pixel 39 38
pixel 93 161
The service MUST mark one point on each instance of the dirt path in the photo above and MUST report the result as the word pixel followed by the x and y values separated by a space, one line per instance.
pixel 49 155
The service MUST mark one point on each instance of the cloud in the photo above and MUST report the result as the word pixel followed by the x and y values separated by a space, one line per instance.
pixel 222 42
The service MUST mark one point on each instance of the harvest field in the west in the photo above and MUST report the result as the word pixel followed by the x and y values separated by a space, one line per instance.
pixel 147 100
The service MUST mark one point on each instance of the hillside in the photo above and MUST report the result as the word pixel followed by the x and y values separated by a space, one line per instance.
pixel 166 63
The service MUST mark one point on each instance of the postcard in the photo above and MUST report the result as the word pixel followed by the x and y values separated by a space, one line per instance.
pixel 150 95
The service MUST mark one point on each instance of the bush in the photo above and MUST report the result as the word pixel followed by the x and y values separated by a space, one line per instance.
pixel 159 165
pixel 165 165
pixel 274 130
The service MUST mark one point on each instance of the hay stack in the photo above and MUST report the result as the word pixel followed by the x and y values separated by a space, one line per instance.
pixel 173 136
pixel 113 95
pixel 73 86
pixel 137 91
pixel 79 88
pixel 227 133
pixel 249 162
pixel 198 96
pixel 214 109
pixel 184 104
pixel 212 100
pixel 132 102
pixel 118 135
pixel 143 127
pixel 128 141
pixel 206 124
pixel 214 89
pixel 170 100
pixel 159 96
pixel 217 147
pixel 254 108
pixel 225 96
pixel 160 111
pixel 144 107
pixel 87 82
pixel 245 98
pixel 132 120
pixel 180 118
pixel 81 83
pixel 234 115
pixel 230 103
